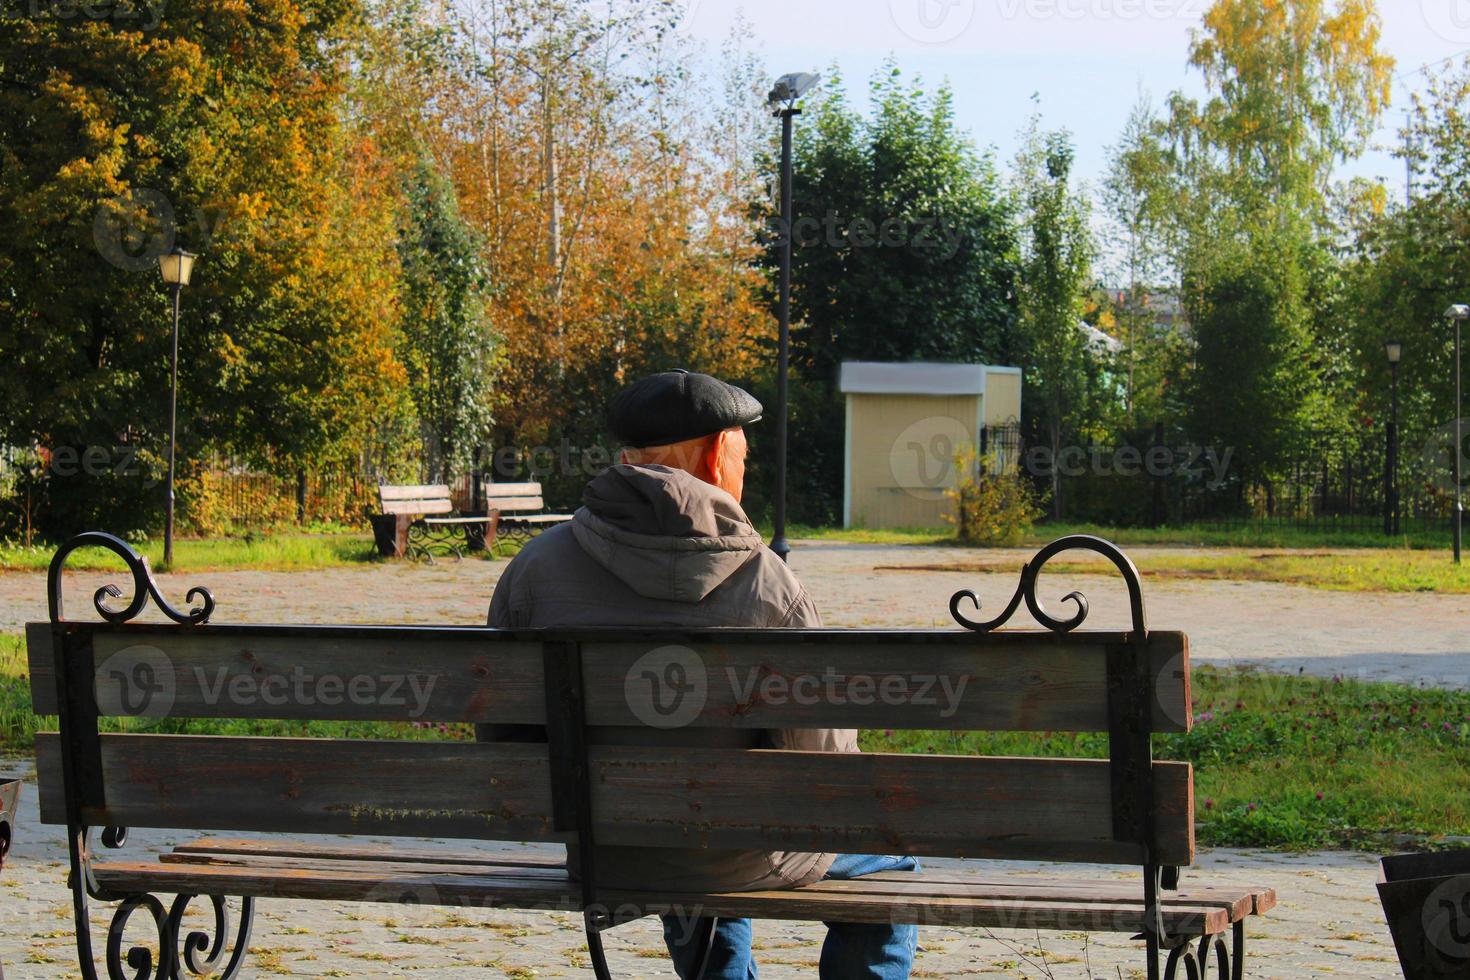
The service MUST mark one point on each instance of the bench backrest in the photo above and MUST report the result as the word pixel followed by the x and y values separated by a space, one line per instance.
pixel 927 805
pixel 424 499
pixel 510 498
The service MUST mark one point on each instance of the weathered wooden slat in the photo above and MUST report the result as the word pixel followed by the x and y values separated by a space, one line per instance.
pixel 42 666
pixel 844 901
pixel 421 491
pixel 871 679
pixel 425 506
pixel 1251 900
pixel 482 891
pixel 387 676
pixel 504 503
pixel 1261 900
pixel 512 489
pixel 382 866
pixel 366 852
pixel 1024 685
pixel 1236 907
pixel 817 902
pixel 942 806
pixel 1044 809
pixel 1237 902
pixel 328 786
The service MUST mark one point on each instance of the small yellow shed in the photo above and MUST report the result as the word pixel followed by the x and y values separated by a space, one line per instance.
pixel 905 423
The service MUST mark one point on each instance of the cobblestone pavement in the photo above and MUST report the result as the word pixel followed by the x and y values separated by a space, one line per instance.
pixel 1328 922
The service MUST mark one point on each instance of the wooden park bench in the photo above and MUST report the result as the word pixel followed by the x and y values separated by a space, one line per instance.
pixel 517 511
pixel 420 520
pixel 1127 810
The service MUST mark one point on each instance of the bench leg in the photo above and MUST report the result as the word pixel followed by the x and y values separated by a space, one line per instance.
pixel 198 954
pixel 594 947
pixel 1194 959
pixel 425 539
pixel 195 943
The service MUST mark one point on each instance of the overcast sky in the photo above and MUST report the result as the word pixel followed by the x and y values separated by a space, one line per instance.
pixel 1085 60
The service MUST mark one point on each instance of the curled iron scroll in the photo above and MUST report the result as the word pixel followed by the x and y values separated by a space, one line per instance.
pixel 1026 589
pixel 143 585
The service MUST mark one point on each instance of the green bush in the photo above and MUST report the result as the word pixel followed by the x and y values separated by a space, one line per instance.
pixel 994 504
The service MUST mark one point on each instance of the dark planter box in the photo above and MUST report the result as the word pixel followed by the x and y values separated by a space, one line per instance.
pixel 9 802
pixel 1426 899
pixel 390 533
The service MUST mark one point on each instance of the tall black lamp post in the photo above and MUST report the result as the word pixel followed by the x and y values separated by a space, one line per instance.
pixel 782 101
pixel 177 267
pixel 1459 313
pixel 1394 350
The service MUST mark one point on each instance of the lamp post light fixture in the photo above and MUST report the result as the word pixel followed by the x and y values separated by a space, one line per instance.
pixel 177 268
pixel 1459 313
pixel 1394 351
pixel 782 100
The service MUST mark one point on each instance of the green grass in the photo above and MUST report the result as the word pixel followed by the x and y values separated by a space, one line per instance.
pixel 1249 536
pixel 1280 761
pixel 290 551
pixel 1355 571
pixel 1363 570
pixel 1246 536
pixel 864 535
pixel 1289 762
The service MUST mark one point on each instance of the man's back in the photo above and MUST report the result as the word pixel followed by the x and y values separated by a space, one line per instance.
pixel 655 546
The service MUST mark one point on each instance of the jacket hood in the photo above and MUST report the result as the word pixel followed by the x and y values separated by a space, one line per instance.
pixel 664 532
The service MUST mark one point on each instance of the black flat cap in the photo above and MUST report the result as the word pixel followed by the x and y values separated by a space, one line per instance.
pixel 675 405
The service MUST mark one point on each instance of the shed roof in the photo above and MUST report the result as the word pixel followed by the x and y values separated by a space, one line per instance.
pixel 916 378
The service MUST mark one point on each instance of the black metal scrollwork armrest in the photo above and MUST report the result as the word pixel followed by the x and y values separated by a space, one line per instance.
pixel 1026 589
pixel 143 585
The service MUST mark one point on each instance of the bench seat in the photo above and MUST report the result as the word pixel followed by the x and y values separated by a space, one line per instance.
pixel 268 869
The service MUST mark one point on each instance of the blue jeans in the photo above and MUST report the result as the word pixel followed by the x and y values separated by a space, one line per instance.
pixel 852 951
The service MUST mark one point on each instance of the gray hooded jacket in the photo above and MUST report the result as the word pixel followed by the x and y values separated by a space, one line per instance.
pixel 655 546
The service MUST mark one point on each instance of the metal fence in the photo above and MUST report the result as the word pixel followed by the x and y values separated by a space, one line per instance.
pixel 1158 477
pixel 1148 477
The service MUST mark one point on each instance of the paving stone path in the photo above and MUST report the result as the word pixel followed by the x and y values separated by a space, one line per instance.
pixel 1328 923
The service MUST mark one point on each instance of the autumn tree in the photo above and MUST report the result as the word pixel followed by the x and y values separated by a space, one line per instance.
pixel 1296 86
pixel 216 129
pixel 577 140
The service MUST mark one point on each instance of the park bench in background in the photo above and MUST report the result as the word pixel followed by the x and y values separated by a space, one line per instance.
pixel 517 511
pixel 1126 810
pixel 420 520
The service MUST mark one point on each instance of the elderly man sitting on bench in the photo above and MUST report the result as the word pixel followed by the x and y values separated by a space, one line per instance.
pixel 662 541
